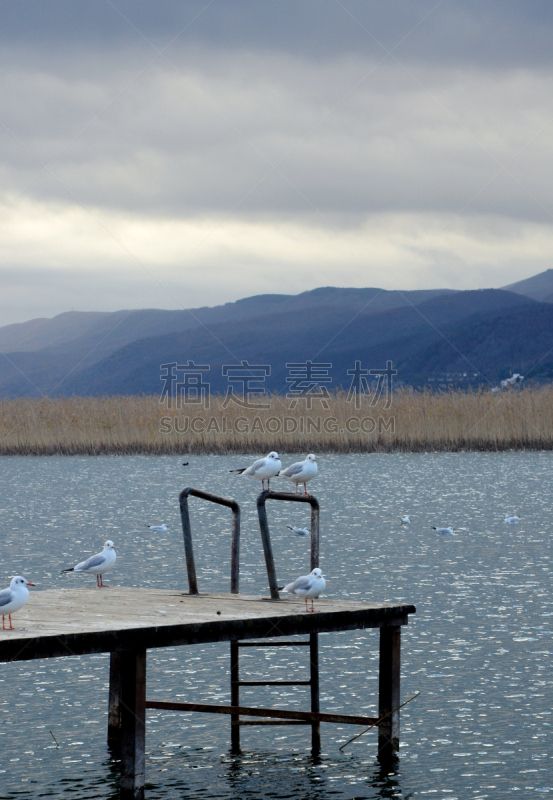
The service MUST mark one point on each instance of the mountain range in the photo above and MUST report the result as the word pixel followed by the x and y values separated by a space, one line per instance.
pixel 433 337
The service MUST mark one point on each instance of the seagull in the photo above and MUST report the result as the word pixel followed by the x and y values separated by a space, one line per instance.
pixel 509 519
pixel 311 585
pixel 99 563
pixel 405 520
pixel 442 530
pixel 263 469
pixel 13 598
pixel 299 531
pixel 158 528
pixel 301 472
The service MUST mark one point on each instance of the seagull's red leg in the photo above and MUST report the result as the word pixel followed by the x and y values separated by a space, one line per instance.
pixel 3 622
pixel 11 628
pixel 306 609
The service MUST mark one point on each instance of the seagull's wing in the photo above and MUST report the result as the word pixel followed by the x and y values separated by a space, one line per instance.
pixel 6 596
pixel 302 584
pixel 295 469
pixel 91 563
pixel 256 466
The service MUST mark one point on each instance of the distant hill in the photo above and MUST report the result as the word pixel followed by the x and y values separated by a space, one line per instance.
pixel 434 338
pixel 43 353
pixel 538 287
pixel 325 334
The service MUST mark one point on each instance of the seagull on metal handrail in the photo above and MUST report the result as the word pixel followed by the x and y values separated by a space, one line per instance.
pixel 98 564
pixel 301 472
pixel 263 469
pixel 13 598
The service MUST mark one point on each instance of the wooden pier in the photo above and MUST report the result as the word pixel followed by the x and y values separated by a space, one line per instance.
pixel 128 622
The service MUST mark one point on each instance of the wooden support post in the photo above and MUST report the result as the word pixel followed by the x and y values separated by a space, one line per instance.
pixel 388 692
pixel 315 705
pixel 234 697
pixel 133 723
pixel 114 707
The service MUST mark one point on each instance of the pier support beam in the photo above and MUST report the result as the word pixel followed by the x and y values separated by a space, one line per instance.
pixel 114 707
pixel 388 693
pixel 133 723
pixel 234 697
pixel 315 705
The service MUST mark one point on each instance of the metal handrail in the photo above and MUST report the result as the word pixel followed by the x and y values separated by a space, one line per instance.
pixel 266 538
pixel 187 535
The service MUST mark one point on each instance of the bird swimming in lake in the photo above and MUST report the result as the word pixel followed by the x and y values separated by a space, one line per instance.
pixel 405 520
pixel 98 564
pixel 509 519
pixel 301 472
pixel 442 530
pixel 263 469
pixel 307 586
pixel 158 528
pixel 13 598
pixel 299 531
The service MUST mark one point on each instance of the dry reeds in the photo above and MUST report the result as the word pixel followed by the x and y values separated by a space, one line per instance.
pixel 415 421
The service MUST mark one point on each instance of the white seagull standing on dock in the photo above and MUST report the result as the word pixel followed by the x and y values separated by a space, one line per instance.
pixel 98 564
pixel 263 469
pixel 509 519
pixel 158 528
pixel 307 586
pixel 301 472
pixel 299 531
pixel 405 520
pixel 442 530
pixel 13 598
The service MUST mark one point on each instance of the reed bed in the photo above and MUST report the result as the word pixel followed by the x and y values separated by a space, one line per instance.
pixel 414 422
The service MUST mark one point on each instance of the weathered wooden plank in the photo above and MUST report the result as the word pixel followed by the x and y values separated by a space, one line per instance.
pixel 277 713
pixel 79 621
pixel 114 704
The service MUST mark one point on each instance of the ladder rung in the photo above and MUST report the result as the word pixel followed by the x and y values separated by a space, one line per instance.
pixel 272 683
pixel 273 644
pixel 272 722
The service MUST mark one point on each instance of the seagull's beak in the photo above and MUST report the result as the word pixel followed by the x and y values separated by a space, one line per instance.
pixel 30 584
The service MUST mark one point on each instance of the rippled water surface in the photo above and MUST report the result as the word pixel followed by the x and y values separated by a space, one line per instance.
pixel 478 649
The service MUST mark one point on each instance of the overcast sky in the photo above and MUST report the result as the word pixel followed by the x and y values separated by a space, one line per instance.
pixel 172 154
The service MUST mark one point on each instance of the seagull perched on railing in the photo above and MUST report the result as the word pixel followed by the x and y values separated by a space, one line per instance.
pixel 13 598
pixel 263 469
pixel 301 472
pixel 99 563
pixel 307 586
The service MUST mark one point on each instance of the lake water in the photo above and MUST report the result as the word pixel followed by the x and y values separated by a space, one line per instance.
pixel 478 649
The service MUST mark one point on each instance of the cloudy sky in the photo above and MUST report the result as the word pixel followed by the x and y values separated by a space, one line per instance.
pixel 172 154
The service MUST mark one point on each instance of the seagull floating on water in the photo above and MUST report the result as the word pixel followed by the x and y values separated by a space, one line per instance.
pixel 99 563
pixel 263 469
pixel 158 528
pixel 301 472
pixel 442 530
pixel 299 531
pixel 405 520
pixel 13 598
pixel 307 586
pixel 514 518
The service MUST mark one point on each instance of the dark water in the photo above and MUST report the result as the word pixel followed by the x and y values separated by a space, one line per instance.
pixel 478 649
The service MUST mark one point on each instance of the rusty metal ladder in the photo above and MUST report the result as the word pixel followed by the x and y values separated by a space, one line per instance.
pixel 235 646
pixel 312 642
